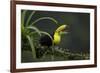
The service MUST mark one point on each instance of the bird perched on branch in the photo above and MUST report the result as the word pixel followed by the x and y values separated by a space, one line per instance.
pixel 47 41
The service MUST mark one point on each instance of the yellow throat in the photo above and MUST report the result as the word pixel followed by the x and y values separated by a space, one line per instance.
pixel 57 36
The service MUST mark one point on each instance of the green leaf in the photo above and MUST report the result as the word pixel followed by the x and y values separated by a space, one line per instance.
pixel 32 46
pixel 44 18
pixel 34 28
pixel 22 17
pixel 29 18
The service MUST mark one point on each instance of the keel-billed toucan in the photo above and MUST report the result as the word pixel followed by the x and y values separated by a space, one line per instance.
pixel 48 42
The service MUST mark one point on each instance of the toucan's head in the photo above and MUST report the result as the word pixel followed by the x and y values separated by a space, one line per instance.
pixel 47 41
pixel 61 28
pixel 57 36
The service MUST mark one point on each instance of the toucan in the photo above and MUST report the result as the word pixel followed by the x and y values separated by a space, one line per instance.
pixel 48 42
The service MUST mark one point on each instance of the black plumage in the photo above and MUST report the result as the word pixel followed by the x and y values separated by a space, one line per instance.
pixel 46 41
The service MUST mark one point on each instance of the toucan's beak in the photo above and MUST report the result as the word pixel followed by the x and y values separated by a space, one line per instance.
pixel 62 28
pixel 66 29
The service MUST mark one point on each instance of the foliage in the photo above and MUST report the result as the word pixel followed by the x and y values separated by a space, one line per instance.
pixel 29 30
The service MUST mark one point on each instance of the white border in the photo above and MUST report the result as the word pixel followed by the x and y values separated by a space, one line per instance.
pixel 20 65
